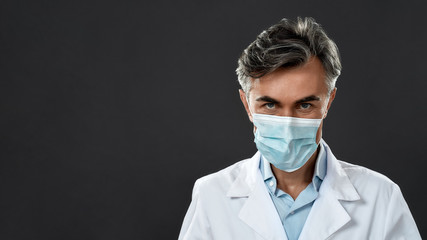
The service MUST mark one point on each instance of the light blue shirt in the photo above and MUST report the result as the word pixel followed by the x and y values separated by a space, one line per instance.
pixel 293 213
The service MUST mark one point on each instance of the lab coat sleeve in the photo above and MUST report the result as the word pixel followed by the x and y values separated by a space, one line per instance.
pixel 195 225
pixel 399 223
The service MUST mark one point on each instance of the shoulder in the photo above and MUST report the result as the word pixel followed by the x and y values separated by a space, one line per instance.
pixel 221 180
pixel 381 205
pixel 365 178
pixel 356 172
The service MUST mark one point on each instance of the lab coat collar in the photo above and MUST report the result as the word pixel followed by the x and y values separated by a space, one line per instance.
pixel 338 181
pixel 245 181
pixel 258 212
pixel 326 216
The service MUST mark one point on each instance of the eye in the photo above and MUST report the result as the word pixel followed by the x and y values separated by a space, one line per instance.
pixel 270 105
pixel 305 106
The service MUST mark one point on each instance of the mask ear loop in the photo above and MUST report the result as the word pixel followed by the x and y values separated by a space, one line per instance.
pixel 326 109
pixel 252 115
pixel 250 111
pixel 249 107
pixel 324 115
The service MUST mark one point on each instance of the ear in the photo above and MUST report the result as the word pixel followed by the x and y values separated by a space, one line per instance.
pixel 331 99
pixel 245 103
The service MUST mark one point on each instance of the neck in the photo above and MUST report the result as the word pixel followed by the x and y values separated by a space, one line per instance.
pixel 293 183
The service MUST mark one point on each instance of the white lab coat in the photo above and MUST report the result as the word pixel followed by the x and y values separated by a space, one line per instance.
pixel 353 203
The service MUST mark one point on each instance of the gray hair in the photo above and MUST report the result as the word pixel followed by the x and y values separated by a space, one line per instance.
pixel 288 44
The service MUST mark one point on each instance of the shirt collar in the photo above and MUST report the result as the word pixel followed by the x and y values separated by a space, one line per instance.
pixel 319 168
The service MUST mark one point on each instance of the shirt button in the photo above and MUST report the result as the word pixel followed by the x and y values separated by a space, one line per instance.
pixel 271 183
pixel 292 212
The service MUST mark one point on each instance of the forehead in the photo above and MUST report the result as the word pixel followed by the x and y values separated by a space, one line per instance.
pixel 292 83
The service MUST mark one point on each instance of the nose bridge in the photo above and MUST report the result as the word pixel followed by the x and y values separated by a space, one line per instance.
pixel 287 111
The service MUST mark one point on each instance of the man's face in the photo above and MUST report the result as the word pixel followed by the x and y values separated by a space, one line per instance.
pixel 299 92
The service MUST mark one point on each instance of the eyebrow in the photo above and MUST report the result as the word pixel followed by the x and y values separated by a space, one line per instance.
pixel 272 100
pixel 266 99
pixel 308 99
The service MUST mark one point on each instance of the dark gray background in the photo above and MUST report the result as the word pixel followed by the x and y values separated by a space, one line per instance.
pixel 110 110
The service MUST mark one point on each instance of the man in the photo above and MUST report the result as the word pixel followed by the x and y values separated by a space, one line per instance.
pixel 294 187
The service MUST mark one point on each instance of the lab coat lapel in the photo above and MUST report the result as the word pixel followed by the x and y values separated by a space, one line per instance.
pixel 327 214
pixel 325 218
pixel 258 211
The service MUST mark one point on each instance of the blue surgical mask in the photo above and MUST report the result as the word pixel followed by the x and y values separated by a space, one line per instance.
pixel 286 142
